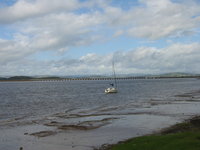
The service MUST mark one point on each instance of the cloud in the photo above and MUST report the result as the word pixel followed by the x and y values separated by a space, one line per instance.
pixel 55 32
pixel 174 58
pixel 36 26
pixel 27 9
pixel 154 20
pixel 64 31
pixel 14 49
pixel 145 60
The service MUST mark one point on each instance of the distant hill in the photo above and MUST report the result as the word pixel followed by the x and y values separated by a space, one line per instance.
pixel 3 78
pixel 20 78
pixel 16 78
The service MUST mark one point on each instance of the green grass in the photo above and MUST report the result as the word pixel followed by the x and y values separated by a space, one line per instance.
pixel 176 141
pixel 182 136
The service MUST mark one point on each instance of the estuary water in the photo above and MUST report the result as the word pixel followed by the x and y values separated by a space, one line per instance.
pixel 33 99
pixel 78 115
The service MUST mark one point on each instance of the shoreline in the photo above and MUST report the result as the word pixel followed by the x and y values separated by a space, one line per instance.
pixel 189 125
pixel 174 128
pixel 31 79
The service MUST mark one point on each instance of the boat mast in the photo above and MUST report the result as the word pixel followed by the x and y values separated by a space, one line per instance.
pixel 113 67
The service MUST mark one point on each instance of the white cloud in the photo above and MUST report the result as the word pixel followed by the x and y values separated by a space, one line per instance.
pixel 145 60
pixel 63 30
pixel 157 19
pixel 55 32
pixel 26 9
pixel 13 50
pixel 174 58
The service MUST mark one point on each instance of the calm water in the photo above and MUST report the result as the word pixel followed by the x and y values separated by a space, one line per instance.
pixel 33 99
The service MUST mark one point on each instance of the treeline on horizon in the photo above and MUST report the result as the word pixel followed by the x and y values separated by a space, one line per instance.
pixel 14 78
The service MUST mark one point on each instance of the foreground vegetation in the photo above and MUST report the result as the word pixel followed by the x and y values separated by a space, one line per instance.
pixel 183 136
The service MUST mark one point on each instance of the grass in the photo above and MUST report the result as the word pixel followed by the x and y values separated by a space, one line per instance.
pixel 182 136
pixel 176 141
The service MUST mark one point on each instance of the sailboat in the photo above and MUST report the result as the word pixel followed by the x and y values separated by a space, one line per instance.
pixel 113 88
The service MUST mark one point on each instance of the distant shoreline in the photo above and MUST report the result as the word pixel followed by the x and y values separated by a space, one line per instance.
pixel 19 78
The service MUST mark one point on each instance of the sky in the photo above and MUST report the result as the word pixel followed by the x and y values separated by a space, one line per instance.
pixel 83 37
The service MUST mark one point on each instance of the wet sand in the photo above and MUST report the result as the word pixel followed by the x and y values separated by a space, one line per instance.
pixel 87 129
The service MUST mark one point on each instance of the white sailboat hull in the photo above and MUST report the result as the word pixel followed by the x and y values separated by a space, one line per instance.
pixel 111 90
